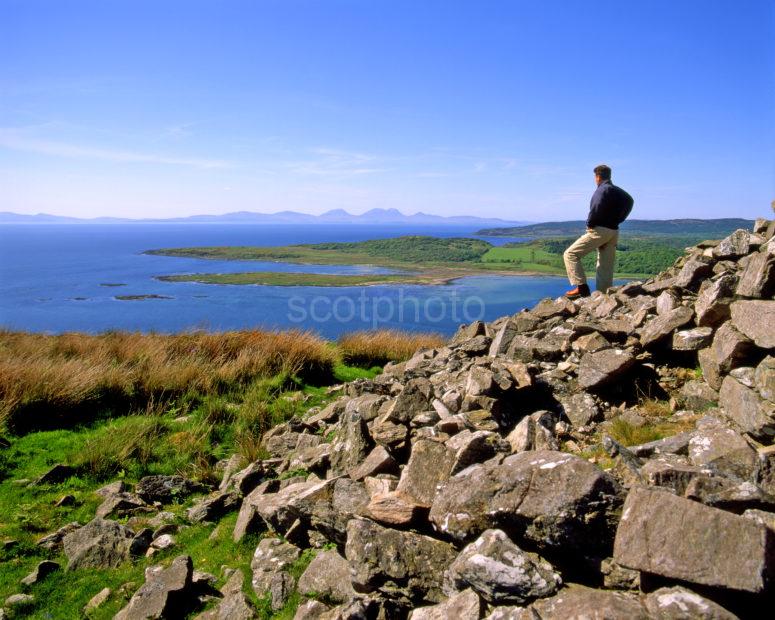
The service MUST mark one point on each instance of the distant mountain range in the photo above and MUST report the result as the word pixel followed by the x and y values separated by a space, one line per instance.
pixel 335 216
pixel 712 229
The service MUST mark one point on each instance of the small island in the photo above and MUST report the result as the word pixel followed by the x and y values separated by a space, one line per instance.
pixel 423 260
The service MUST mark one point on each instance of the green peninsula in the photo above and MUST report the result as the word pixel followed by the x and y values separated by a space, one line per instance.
pixel 280 278
pixel 422 260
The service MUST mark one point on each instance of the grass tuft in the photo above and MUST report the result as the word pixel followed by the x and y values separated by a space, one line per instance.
pixel 377 348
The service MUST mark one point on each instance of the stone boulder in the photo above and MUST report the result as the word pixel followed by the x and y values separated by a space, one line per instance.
pixel 755 320
pixel 396 562
pixel 98 544
pixel 351 444
pixel 327 577
pixel 742 405
pixel 166 593
pixel 758 278
pixel 165 489
pixel 554 500
pixel 602 367
pixel 430 464
pixel 663 326
pixel 464 605
pixel 500 572
pixel 677 538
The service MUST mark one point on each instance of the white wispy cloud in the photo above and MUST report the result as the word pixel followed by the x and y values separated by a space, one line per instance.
pixel 14 139
pixel 331 162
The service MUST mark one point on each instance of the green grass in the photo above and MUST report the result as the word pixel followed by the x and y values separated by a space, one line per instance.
pixel 130 447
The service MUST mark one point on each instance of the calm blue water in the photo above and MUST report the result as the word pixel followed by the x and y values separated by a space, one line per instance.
pixel 52 280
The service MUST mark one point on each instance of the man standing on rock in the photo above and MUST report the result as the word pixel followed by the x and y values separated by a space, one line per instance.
pixel 609 207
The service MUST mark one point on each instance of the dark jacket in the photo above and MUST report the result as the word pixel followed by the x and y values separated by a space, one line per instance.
pixel 609 207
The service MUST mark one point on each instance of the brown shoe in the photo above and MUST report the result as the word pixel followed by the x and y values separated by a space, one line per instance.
pixel 582 290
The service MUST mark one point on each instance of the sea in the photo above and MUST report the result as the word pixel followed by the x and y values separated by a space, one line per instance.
pixel 57 278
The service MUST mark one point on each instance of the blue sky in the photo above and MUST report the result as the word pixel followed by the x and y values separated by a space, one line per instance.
pixel 495 108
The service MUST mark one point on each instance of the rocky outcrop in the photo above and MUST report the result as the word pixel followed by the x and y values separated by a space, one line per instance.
pixel 525 470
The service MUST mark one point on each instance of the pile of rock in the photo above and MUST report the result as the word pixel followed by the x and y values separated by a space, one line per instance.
pixel 466 481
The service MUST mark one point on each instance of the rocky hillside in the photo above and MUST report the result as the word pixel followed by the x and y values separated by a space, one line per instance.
pixel 606 458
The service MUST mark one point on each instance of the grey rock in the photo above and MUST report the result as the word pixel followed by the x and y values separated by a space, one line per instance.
pixel 54 540
pixel 677 477
pixel 415 398
pixel 523 436
pixel 42 570
pixel 272 556
pixel 328 575
pixel 735 245
pixel 475 447
pixel 56 474
pixel 616 577
pixel 730 348
pixel 693 272
pixel 681 539
pixel 430 464
pixel 214 507
pixel 712 306
pixel 677 444
pixel 556 499
pixel 747 410
pixel 728 494
pixel 500 572
pixel 366 405
pixel 17 602
pixel 466 332
pixel 667 301
pixel 96 601
pixel 711 371
pixel 351 444
pixel 692 339
pixel 764 378
pixel 324 507
pixel 755 320
pixel 589 343
pixel 678 603
pixel 378 461
pixel 114 488
pixel 581 409
pixel 579 602
pixel 503 338
pixel 98 544
pixel 723 450
pixel 661 327
pixel 389 560
pixel 248 519
pixel 393 508
pixel 697 395
pixel 165 489
pixel 167 592
pixel 528 348
pixel 758 278
pixel 465 605
pixel 235 605
pixel 311 458
pixel 247 479
pixel 602 367
pixel 120 505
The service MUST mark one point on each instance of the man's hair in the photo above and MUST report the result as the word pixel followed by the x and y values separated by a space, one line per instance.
pixel 603 171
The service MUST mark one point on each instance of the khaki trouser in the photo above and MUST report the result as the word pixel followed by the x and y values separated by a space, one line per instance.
pixel 604 241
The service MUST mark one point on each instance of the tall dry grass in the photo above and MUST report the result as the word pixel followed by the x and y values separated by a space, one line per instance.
pixel 376 348
pixel 44 376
